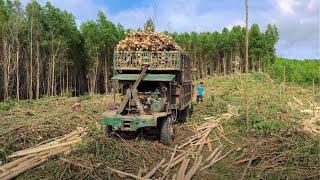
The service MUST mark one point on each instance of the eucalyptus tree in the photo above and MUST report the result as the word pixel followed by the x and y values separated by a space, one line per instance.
pixel 149 25
pixel 92 40
pixel 34 31
pixel 255 47
pixel 4 59
pixel 271 38
pixel 109 38
pixel 17 28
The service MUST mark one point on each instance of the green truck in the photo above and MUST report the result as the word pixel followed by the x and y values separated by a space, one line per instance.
pixel 156 88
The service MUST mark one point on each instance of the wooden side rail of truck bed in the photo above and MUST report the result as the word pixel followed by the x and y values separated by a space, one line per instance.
pixel 160 60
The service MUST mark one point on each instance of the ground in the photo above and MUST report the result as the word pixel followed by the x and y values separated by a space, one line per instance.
pixel 277 144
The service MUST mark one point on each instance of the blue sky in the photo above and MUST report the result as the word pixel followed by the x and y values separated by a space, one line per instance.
pixel 298 20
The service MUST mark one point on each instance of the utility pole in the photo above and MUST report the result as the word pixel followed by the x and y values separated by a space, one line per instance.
pixel 155 7
pixel 246 72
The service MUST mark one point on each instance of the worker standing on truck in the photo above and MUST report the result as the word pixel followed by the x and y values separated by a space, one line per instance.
pixel 163 90
pixel 200 91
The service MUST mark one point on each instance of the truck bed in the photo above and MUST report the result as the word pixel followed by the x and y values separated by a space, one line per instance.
pixel 160 60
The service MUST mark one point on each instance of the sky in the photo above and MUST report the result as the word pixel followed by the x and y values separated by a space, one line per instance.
pixel 298 21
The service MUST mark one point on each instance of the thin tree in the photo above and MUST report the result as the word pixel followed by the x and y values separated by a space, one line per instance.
pixel 155 7
pixel 246 72
pixel 314 99
pixel 18 29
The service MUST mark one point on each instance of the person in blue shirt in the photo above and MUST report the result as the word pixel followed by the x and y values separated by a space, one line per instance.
pixel 200 92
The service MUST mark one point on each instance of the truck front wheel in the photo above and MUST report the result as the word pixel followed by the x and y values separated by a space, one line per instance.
pixel 166 131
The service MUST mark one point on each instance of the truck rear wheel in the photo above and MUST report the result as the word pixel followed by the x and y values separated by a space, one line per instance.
pixel 107 130
pixel 166 131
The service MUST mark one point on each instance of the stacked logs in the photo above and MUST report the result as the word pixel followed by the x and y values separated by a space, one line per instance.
pixel 147 40
pixel 193 148
pixel 40 153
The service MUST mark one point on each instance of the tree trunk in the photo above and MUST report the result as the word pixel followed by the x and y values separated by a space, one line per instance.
pixel 52 68
pixel 246 73
pixel 17 70
pixel 38 70
pixel 31 63
pixel 67 78
pixel 6 67
pixel 224 64
pixel 106 70
pixel 60 78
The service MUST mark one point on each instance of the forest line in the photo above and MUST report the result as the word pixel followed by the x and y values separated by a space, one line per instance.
pixel 44 53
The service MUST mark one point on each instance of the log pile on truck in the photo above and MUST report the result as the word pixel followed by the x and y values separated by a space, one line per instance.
pixel 147 40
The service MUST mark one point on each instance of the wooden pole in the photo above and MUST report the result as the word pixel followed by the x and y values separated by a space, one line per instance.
pixel 246 72
pixel 314 99
pixel 284 75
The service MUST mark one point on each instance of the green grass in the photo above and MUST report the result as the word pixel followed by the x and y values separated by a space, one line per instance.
pixel 270 117
pixel 275 128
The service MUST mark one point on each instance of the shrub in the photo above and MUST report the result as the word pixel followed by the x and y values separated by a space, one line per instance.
pixel 6 106
pixel 86 97
pixel 67 94
pixel 266 126
pixel 259 76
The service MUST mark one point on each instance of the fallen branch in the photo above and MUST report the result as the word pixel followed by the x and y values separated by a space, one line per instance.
pixel 248 165
pixel 17 128
pixel 154 170
pixel 183 168
pixel 216 160
pixel 194 168
pixel 171 159
pixel 36 150
pixel 212 155
pixel 90 167
pixel 124 173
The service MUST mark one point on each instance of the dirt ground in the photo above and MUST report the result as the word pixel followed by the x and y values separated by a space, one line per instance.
pixel 277 146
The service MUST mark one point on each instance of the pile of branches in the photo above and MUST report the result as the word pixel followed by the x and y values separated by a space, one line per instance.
pixel 309 124
pixel 147 40
pixel 189 155
pixel 29 135
pixel 40 153
pixel 291 154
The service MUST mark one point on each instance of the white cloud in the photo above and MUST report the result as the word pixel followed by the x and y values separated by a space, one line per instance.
pixel 298 26
pixel 287 6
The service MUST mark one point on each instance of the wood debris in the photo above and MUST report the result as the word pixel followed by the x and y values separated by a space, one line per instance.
pixel 309 124
pixel 154 170
pixel 190 153
pixel 40 153
pixel 147 40
pixel 125 174
pixel 194 146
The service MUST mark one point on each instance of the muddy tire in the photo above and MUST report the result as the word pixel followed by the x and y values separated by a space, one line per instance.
pixel 166 131
pixel 107 130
